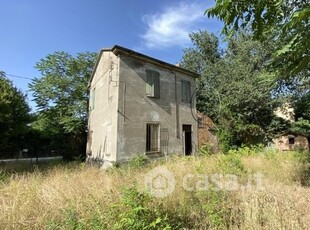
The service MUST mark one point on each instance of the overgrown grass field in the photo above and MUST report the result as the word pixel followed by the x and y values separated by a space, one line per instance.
pixel 77 196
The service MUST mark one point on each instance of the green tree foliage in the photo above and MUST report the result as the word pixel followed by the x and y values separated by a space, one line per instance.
pixel 204 53
pixel 14 117
pixel 235 87
pixel 288 21
pixel 302 115
pixel 61 96
pixel 202 56
pixel 302 106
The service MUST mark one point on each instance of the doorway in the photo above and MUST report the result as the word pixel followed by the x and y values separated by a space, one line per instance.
pixel 187 139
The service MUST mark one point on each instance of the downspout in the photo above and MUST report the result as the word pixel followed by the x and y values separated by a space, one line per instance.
pixel 177 114
pixel 123 112
pixel 117 122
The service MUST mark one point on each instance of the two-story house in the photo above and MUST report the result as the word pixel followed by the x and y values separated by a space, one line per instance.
pixel 139 105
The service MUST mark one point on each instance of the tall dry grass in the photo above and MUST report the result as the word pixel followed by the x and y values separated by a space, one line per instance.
pixel 77 196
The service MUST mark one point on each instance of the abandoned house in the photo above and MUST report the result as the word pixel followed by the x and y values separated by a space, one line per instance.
pixel 288 140
pixel 291 141
pixel 139 105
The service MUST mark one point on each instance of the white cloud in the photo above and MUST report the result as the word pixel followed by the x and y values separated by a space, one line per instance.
pixel 172 26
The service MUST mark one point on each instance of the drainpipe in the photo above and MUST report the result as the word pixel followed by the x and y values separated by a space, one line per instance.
pixel 177 114
pixel 123 101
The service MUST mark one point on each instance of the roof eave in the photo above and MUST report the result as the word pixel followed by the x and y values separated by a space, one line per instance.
pixel 119 49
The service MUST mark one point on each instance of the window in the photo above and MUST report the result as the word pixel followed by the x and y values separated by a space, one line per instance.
pixel 152 138
pixel 291 139
pixel 92 99
pixel 152 84
pixel 185 91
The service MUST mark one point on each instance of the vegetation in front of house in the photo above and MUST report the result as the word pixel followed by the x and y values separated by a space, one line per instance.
pixel 75 196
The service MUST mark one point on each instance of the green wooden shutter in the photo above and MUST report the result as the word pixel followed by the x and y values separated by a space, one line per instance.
pixel 152 84
pixel 188 91
pixel 149 83
pixel 185 91
pixel 156 83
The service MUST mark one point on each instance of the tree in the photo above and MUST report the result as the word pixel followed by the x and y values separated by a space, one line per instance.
pixel 61 96
pixel 14 117
pixel 202 56
pixel 235 88
pixel 302 115
pixel 288 21
pixel 205 51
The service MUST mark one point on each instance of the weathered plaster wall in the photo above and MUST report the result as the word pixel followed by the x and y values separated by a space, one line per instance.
pixel 136 109
pixel 207 134
pixel 282 143
pixel 102 125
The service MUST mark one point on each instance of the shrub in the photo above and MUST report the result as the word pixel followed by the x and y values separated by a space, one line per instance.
pixel 304 158
pixel 69 220
pixel 136 211
pixel 3 176
pixel 205 150
pixel 138 161
pixel 246 150
pixel 214 208
pixel 231 164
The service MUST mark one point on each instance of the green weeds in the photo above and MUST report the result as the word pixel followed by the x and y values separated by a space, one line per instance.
pixel 137 211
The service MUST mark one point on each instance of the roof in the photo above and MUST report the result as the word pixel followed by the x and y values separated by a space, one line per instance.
pixel 122 50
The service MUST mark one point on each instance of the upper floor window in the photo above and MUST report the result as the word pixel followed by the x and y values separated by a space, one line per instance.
pixel 152 84
pixel 185 91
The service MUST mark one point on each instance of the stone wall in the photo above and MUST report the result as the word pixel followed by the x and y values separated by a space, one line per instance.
pixel 289 142
pixel 207 133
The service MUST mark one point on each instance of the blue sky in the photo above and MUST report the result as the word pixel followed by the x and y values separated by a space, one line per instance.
pixel 32 29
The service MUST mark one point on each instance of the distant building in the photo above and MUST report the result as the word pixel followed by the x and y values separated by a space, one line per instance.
pixel 139 105
pixel 288 140
pixel 291 141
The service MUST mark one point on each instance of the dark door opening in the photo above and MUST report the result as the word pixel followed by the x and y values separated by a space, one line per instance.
pixel 187 137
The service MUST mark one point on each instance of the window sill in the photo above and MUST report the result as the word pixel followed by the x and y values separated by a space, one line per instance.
pixel 152 152
pixel 152 97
